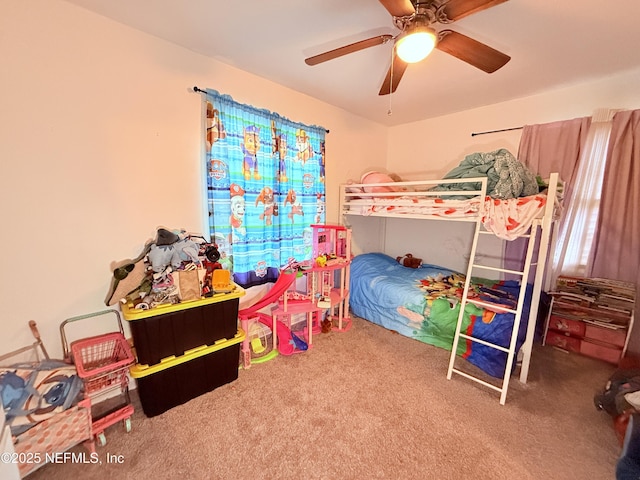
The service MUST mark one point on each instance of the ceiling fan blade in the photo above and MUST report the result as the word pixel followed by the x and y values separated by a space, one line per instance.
pixel 457 9
pixel 395 73
pixel 471 51
pixel 399 8
pixel 354 47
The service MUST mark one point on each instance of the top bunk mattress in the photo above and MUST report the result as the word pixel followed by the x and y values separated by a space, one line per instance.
pixel 406 205
pixel 507 218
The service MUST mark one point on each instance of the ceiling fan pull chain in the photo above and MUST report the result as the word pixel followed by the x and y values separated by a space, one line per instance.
pixel 393 52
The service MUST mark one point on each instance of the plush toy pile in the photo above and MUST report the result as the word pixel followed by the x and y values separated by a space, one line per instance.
pixel 175 267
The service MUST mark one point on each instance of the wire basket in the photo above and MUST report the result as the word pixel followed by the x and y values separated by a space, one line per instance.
pixel 102 361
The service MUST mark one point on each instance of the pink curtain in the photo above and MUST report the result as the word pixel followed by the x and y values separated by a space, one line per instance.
pixel 617 240
pixel 547 148
pixel 554 147
pixel 616 252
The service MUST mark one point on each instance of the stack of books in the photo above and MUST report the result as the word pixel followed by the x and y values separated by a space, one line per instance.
pixel 598 300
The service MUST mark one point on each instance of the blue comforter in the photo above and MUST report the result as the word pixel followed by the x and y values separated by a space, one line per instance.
pixel 398 298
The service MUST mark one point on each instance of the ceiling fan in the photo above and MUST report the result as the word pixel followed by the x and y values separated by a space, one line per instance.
pixel 415 19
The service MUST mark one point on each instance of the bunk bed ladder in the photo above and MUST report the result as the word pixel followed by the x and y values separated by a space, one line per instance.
pixel 543 226
pixel 510 350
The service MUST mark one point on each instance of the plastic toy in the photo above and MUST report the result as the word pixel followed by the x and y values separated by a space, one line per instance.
pixel 328 280
pixel 333 242
pixel 221 281
pixel 298 342
pixel 103 363
pixel 257 339
pixel 282 335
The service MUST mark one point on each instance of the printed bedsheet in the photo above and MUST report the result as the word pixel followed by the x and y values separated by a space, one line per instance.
pixel 506 218
pixel 423 304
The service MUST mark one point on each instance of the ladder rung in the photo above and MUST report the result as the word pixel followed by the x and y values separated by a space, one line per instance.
pixel 497 269
pixel 491 306
pixel 483 342
pixel 471 377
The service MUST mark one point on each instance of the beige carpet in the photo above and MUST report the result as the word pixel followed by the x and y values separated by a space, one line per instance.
pixel 370 404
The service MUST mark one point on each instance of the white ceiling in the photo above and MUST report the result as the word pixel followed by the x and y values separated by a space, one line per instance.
pixel 552 43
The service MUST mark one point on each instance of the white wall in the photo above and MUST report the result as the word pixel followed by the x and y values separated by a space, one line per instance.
pixel 430 148
pixel 100 145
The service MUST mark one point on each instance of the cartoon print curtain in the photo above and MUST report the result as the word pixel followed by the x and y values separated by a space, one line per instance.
pixel 265 187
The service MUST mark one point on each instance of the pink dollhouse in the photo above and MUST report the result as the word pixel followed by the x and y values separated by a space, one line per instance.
pixel 332 241
pixel 328 281
pixel 326 294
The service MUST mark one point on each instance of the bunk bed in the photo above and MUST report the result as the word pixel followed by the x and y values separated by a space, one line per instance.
pixel 486 322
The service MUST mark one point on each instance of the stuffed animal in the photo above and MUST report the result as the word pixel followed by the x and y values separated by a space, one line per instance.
pixel 128 276
pixel 172 250
pixel 160 257
pixel 409 261
pixel 326 325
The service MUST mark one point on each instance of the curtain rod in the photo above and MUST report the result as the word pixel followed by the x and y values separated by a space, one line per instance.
pixel 497 131
pixel 196 89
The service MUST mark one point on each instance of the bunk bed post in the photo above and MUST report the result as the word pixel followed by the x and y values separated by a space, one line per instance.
pixel 545 231
pixel 516 324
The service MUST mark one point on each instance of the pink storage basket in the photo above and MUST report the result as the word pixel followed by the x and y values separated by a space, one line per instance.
pixel 102 360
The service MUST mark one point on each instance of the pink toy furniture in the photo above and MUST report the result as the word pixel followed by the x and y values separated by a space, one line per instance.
pixel 326 289
pixel 285 280
pixel 329 286
pixel 287 309
pixel 331 240
pixel 329 276
pixel 50 430
pixel 279 318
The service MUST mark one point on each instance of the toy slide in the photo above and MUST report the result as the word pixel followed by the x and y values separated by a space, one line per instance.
pixel 288 342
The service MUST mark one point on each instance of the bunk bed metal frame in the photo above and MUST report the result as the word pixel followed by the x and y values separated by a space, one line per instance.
pixel 368 204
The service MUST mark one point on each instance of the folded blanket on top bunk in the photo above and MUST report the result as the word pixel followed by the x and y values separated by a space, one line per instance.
pixel 507 177
pixel 423 304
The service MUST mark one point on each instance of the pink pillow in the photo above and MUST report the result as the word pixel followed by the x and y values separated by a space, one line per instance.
pixel 377 177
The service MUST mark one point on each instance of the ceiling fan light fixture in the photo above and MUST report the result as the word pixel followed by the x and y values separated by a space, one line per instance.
pixel 416 44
